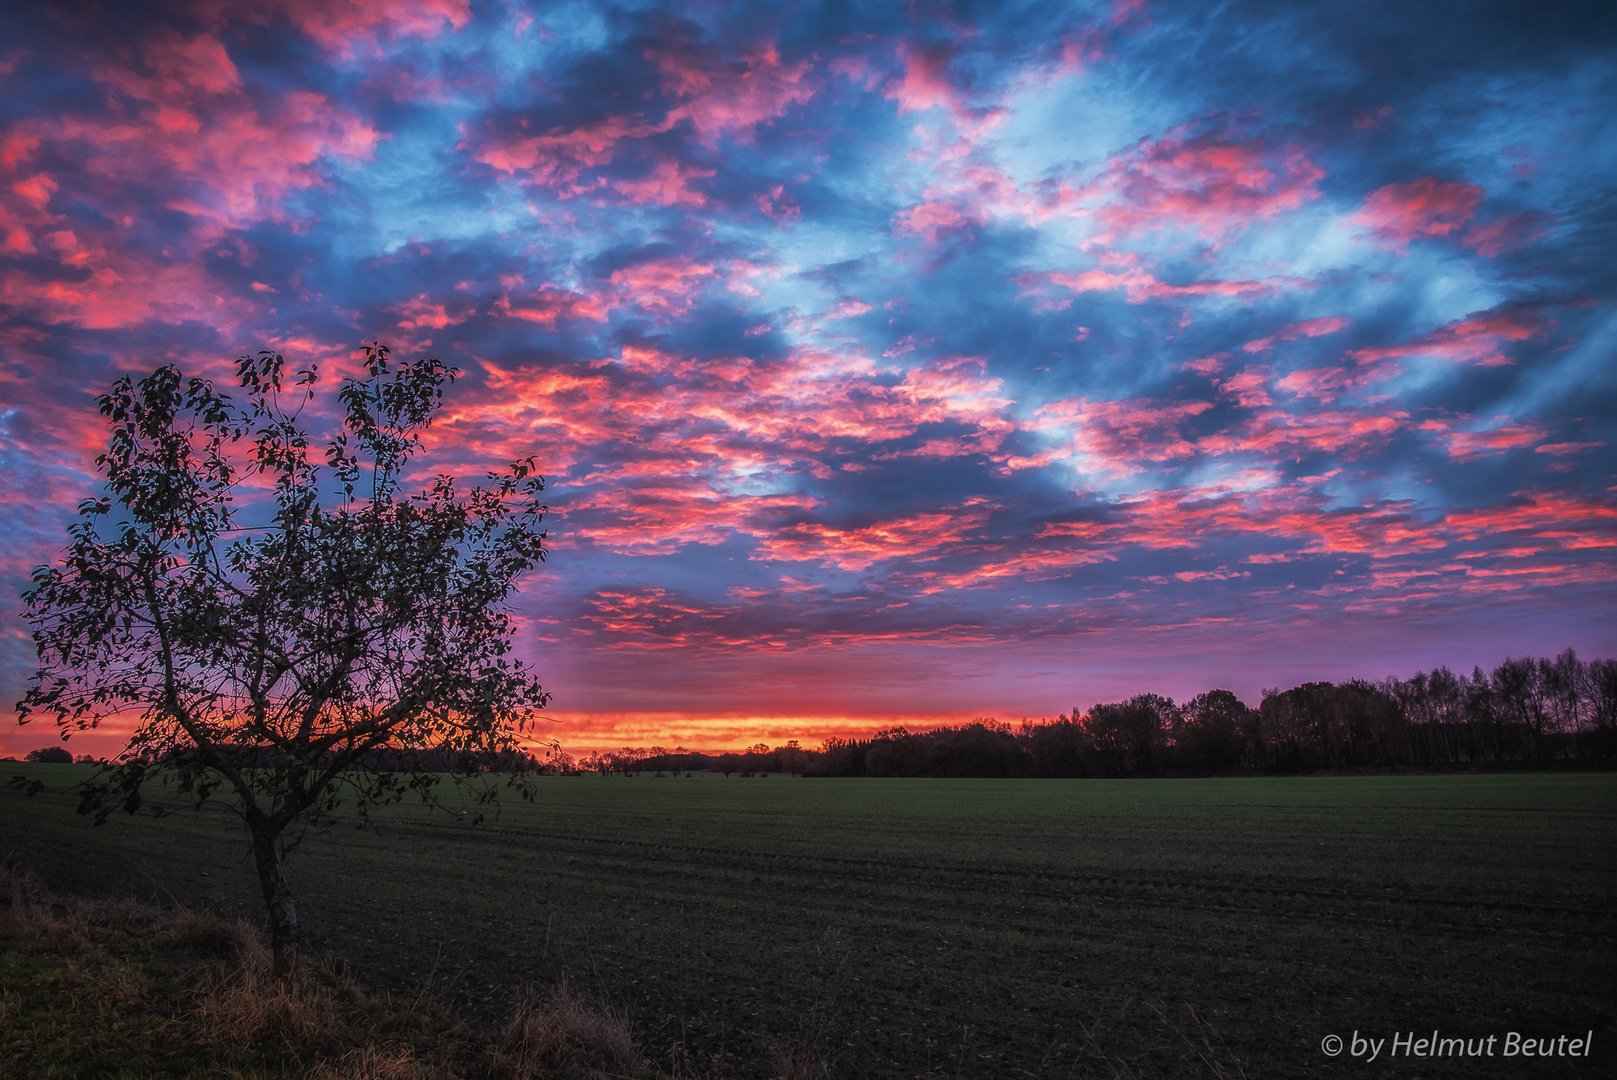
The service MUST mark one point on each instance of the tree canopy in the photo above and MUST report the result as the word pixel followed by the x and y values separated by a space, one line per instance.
pixel 279 626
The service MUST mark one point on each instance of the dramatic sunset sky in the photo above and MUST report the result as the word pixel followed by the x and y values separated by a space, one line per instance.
pixel 887 364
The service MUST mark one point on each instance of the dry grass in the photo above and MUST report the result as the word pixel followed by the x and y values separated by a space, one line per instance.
pixel 84 983
pixel 75 926
pixel 558 1030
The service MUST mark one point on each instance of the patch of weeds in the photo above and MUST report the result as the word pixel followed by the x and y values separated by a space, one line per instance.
pixel 123 989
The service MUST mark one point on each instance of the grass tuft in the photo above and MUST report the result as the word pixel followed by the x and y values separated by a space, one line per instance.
pixel 558 1030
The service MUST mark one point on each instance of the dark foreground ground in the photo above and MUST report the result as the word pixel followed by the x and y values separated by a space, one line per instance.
pixel 962 928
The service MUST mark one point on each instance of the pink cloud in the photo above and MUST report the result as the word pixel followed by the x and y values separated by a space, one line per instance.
pixel 176 69
pixel 1557 516
pixel 1327 383
pixel 1126 11
pixel 1187 517
pixel 557 159
pixel 1117 437
pixel 925 83
pixel 1206 365
pixel 657 514
pixel 1372 121
pixel 1275 432
pixel 17 147
pixel 776 203
pixel 36 189
pixel 1417 209
pixel 1079 49
pixel 1308 328
pixel 1476 339
pixel 848 308
pixel 1505 234
pixel 1429 208
pixel 917 537
pixel 1562 449
pixel 705 428
pixel 345 26
pixel 1223 573
pixel 734 100
pixel 856 69
pixel 1469 444
pixel 668 286
pixel 1249 387
pixel 668 185
pixel 1207 185
pixel 645 617
pixel 932 220
pixel 717 99
pixel 96 284
pixel 1036 563
pixel 178 118
pixel 548 303
pixel 1123 271
pixel 1122 438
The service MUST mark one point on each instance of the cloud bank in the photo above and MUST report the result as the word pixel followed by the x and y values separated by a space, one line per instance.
pixel 923 363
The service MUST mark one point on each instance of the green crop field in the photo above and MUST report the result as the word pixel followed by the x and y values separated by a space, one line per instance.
pixel 970 928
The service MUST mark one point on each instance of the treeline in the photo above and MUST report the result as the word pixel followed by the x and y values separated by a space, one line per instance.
pixel 1526 710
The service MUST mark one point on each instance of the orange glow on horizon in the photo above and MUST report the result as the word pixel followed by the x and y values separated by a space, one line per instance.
pixel 584 733
pixel 578 733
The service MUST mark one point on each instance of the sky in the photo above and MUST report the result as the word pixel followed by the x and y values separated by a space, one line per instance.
pixel 886 364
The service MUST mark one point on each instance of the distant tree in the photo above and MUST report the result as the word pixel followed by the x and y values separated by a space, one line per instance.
pixel 1434 706
pixel 840 757
pixel 1566 690
pixel 50 755
pixel 277 625
pixel 1601 688
pixel 1125 736
pixel 1211 732
pixel 982 748
pixel 627 760
pixel 893 751
pixel 792 757
pixel 1484 716
pixel 1296 724
pixel 1058 748
pixel 1521 695
pixel 1446 692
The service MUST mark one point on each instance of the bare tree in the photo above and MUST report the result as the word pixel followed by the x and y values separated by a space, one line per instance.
pixel 1518 686
pixel 278 663
pixel 1566 686
pixel 1601 687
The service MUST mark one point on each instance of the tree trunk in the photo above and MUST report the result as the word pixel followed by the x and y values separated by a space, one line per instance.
pixel 283 913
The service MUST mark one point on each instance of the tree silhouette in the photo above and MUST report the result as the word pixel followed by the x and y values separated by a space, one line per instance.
pixel 354 643
pixel 1211 731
